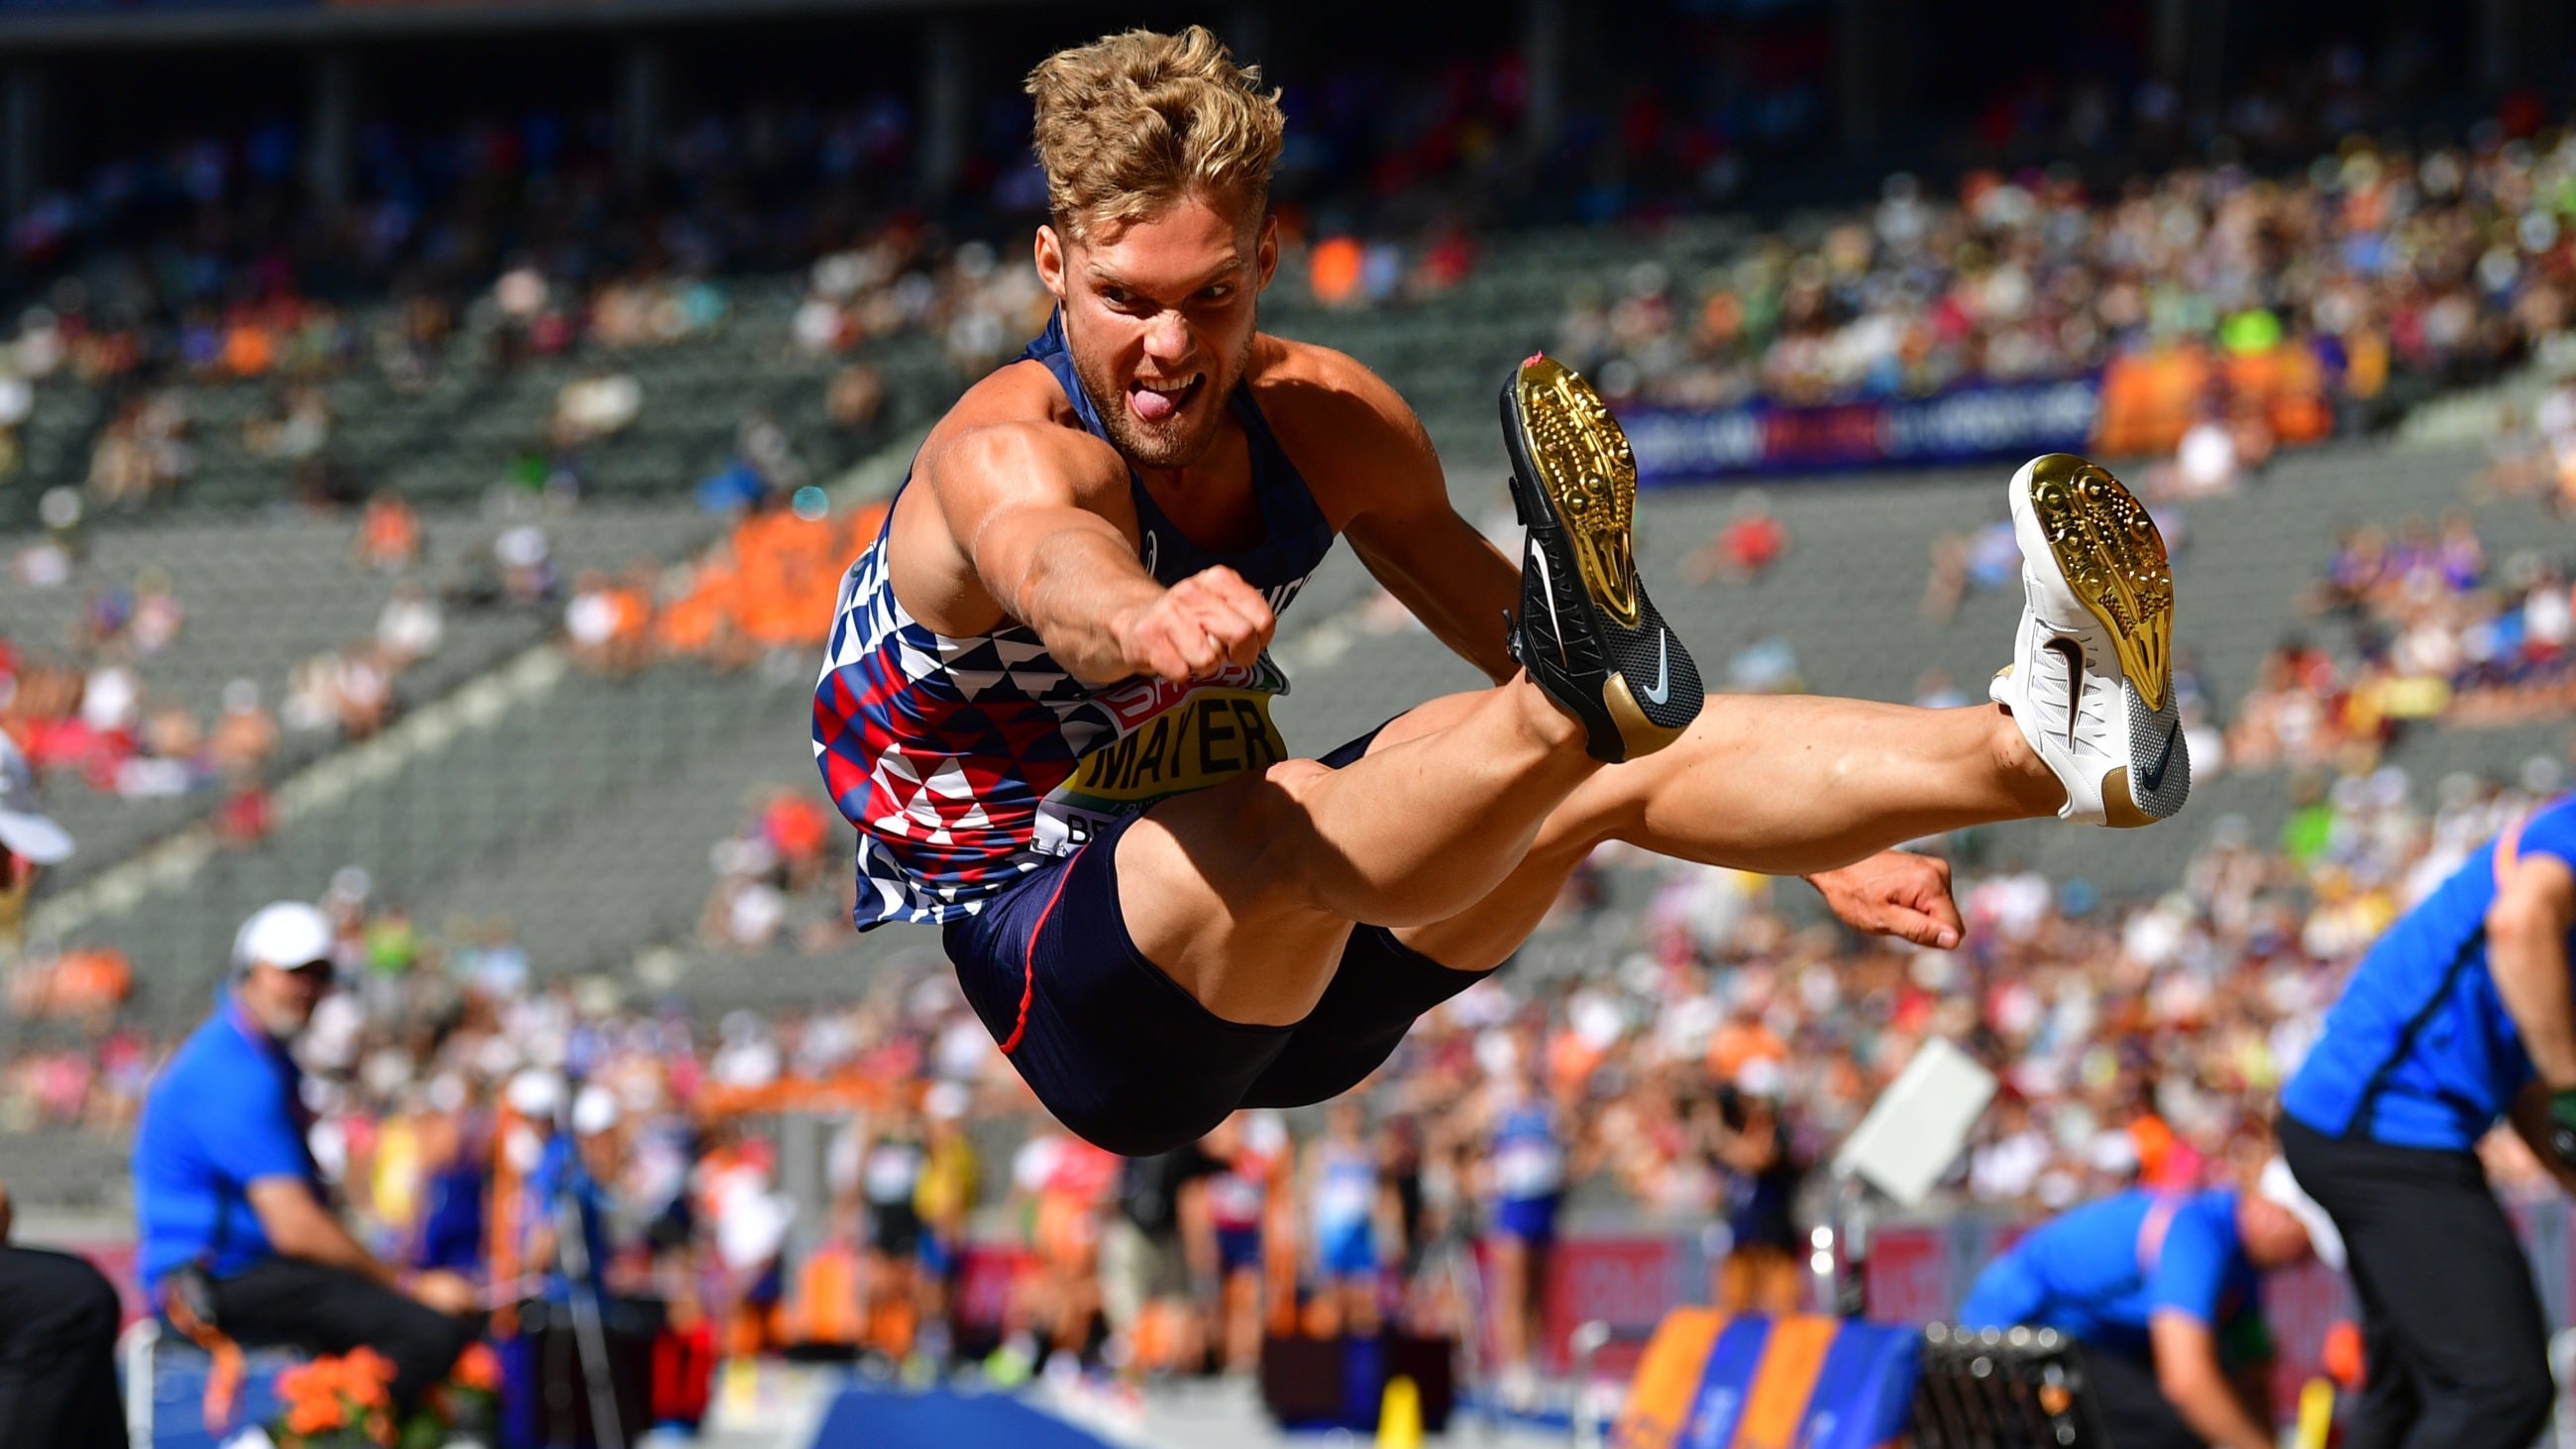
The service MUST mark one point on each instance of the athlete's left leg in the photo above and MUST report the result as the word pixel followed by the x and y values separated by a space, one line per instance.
pixel 1783 785
pixel 2084 727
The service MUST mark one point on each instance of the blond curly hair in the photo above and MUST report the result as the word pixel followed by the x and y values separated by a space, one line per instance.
pixel 1133 122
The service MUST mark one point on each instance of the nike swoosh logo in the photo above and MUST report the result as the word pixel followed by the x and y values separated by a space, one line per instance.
pixel 1663 689
pixel 1547 591
pixel 2154 778
pixel 2073 654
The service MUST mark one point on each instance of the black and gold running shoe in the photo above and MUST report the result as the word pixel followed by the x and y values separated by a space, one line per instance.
pixel 1586 631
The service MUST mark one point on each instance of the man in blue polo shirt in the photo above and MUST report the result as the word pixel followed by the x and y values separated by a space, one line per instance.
pixel 226 1190
pixel 2164 1291
pixel 2457 1017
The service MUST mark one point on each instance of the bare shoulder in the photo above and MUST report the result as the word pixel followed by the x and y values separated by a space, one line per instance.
pixel 1016 417
pixel 1022 392
pixel 1305 388
pixel 1350 434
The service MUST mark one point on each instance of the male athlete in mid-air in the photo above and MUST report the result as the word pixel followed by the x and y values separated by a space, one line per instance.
pixel 1046 705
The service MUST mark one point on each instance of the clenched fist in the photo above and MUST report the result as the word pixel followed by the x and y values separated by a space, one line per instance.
pixel 1198 625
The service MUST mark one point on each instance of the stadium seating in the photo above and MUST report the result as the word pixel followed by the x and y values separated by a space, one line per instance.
pixel 516 822
pixel 64 1169
pixel 265 593
pixel 459 435
pixel 583 813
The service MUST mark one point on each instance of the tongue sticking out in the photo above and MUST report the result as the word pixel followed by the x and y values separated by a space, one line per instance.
pixel 1154 406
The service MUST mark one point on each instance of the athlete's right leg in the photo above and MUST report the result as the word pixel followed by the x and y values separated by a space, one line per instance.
pixel 1144 984
pixel 1244 895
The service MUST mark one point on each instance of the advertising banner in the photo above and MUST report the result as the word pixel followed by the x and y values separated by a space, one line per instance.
pixel 1966 425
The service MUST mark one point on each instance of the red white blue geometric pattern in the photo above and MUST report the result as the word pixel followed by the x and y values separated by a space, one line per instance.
pixel 940 750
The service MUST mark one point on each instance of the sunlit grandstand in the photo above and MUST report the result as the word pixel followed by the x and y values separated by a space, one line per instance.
pixel 434 438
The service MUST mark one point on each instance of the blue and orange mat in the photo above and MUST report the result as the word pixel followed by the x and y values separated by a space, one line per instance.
pixel 1711 1382
pixel 887 1417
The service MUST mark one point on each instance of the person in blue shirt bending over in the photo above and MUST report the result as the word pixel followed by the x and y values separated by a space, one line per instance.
pixel 2457 1017
pixel 2164 1291
pixel 235 1220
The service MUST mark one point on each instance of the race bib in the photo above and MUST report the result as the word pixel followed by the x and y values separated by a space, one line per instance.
pixel 1173 739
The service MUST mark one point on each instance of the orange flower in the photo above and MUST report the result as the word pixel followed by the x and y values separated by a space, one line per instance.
pixel 299 1382
pixel 313 1416
pixel 363 1375
pixel 478 1368
pixel 321 1406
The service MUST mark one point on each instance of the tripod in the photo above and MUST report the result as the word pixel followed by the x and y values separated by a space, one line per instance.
pixel 589 1324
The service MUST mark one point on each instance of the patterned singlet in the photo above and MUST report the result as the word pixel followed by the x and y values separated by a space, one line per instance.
pixel 968 762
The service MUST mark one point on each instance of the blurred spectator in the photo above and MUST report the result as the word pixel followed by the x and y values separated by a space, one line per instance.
pixel 411 628
pixel 85 984
pixel 1526 1167
pixel 228 1192
pixel 1147 1247
pixel 526 562
pixel 591 408
pixel 1347 1222
pixel 609 625
pixel 388 534
pixel 854 397
pixel 142 453
pixel 362 690
pixel 1764 1270
pixel 295 427
pixel 1745 547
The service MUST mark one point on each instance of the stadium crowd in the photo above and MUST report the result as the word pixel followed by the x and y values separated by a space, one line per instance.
pixel 2433 629
pixel 1673 1068
pixel 2441 267
pixel 203 262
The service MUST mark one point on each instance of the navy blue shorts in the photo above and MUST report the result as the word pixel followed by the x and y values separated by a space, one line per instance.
pixel 1127 1059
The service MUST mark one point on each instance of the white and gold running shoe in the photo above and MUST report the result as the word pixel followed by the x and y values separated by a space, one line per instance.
pixel 2091 682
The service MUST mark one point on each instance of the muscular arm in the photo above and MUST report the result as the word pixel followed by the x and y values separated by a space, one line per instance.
pixel 1437 565
pixel 1373 469
pixel 2527 929
pixel 2187 1373
pixel 300 1227
pixel 1034 523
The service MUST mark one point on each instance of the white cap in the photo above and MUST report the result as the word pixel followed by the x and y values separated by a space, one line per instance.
pixel 536 1093
pixel 25 831
pixel 286 934
pixel 946 1101
pixel 594 1110
pixel 2279 1186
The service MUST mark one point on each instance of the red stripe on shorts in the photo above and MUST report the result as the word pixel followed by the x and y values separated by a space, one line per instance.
pixel 1029 963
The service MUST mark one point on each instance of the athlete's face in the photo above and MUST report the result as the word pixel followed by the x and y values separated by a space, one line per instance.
pixel 1159 315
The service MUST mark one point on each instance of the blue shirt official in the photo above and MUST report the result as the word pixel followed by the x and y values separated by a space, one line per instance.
pixel 2420 1051
pixel 2099 1274
pixel 227 1111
